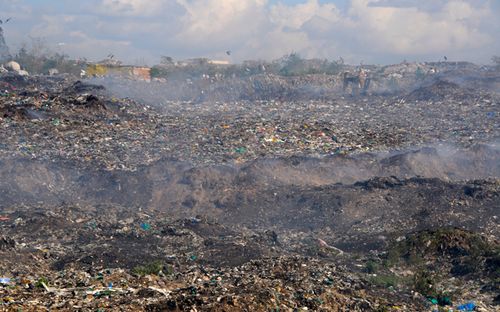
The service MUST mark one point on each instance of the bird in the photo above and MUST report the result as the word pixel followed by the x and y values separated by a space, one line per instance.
pixel 228 52
pixel 7 20
pixel 445 58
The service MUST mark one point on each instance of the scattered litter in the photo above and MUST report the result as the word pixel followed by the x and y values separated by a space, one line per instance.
pixel 254 159
pixel 5 280
pixel 61 117
pixel 469 306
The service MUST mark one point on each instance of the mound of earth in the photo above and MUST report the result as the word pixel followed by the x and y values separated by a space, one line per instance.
pixel 439 91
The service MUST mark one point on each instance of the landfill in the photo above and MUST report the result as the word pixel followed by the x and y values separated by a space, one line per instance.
pixel 255 193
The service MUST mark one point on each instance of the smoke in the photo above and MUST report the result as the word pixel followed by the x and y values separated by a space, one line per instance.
pixel 4 49
pixel 214 89
pixel 178 185
pixel 444 162
pixel 261 87
pixel 413 81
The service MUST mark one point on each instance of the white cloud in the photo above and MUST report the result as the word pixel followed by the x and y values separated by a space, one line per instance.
pixel 221 20
pixel 132 7
pixel 81 45
pixel 369 30
pixel 295 16
pixel 51 25
pixel 250 28
pixel 412 31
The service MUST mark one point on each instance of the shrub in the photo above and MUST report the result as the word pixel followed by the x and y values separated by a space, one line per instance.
pixel 152 268
pixel 385 280
pixel 371 267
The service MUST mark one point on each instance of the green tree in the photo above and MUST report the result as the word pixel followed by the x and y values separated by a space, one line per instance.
pixel 292 65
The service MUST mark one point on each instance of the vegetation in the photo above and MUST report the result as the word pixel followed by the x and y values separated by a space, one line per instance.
pixel 457 251
pixel 294 65
pixel 41 281
pixel 425 283
pixel 36 58
pixel 371 267
pixel 385 280
pixel 152 268
pixel 289 65
pixel 455 243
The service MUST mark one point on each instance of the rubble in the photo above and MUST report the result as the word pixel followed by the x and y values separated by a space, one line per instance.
pixel 264 193
pixel 55 119
pixel 79 258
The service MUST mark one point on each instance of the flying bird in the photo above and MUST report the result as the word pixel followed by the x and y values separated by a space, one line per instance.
pixel 445 58
pixel 228 52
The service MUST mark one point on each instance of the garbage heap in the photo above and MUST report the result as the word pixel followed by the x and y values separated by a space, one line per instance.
pixel 281 204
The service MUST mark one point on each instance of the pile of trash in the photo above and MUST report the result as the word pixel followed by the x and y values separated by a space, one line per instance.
pixel 252 88
pixel 13 67
pixel 95 258
pixel 439 91
pixel 265 193
pixel 44 117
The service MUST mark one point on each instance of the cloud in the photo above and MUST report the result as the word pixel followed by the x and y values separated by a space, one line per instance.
pixel 51 25
pixel 132 7
pixel 81 44
pixel 221 21
pixel 409 30
pixel 250 28
pixel 369 30
pixel 427 5
pixel 294 17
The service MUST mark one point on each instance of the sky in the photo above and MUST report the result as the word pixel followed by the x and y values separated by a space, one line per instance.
pixel 358 31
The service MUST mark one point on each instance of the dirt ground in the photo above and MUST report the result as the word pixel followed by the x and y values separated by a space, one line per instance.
pixel 383 202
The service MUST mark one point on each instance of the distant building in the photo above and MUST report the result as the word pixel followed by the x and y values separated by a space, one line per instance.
pixel 218 62
pixel 122 71
pixel 193 62
pixel 201 61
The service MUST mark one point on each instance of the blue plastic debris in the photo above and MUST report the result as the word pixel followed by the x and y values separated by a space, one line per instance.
pixel 4 280
pixel 110 285
pixel 490 114
pixel 145 226
pixel 469 306
pixel 194 220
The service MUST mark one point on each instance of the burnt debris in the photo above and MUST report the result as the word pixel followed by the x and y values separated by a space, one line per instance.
pixel 255 193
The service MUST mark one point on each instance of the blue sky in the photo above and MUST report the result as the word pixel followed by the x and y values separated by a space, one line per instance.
pixel 372 31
